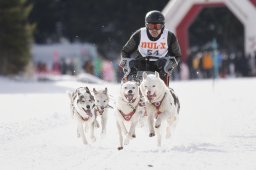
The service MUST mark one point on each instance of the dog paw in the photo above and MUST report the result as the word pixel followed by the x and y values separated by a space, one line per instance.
pixel 157 126
pixel 120 148
pixel 151 134
pixel 158 123
pixel 133 135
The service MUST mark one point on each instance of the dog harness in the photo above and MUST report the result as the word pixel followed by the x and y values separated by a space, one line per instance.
pixel 128 116
pixel 157 105
pixel 101 110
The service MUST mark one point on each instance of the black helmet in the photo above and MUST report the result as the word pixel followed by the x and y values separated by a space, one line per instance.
pixel 155 17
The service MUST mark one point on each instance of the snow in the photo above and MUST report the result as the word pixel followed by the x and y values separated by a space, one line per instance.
pixel 216 129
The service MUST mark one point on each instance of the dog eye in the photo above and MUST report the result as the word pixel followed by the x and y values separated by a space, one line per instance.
pixel 98 101
pixel 133 87
pixel 104 101
pixel 145 86
pixel 125 87
pixel 154 85
pixel 90 100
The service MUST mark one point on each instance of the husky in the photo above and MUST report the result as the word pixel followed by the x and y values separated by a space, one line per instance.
pixel 128 112
pixel 161 104
pixel 82 108
pixel 101 108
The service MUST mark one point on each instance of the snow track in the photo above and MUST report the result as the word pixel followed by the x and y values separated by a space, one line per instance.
pixel 216 130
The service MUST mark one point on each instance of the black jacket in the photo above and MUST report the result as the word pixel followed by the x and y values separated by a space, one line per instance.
pixel 130 49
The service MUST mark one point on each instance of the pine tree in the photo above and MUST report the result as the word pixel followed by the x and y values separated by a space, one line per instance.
pixel 15 36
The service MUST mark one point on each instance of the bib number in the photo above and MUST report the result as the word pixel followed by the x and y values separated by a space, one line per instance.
pixel 152 52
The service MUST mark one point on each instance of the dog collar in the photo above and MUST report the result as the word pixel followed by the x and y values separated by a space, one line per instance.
pixel 99 110
pixel 132 101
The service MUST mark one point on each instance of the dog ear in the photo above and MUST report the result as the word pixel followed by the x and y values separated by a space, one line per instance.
pixel 92 98
pixel 94 91
pixel 105 90
pixel 156 74
pixel 145 75
pixel 87 90
pixel 78 92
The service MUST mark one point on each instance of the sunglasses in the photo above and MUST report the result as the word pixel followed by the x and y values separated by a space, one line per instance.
pixel 154 26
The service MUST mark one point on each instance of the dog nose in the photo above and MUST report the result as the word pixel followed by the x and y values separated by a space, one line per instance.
pixel 130 91
pixel 102 107
pixel 88 106
pixel 149 92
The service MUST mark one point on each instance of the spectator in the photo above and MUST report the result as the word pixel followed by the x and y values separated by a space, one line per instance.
pixel 63 66
pixel 88 67
pixel 196 65
pixel 207 64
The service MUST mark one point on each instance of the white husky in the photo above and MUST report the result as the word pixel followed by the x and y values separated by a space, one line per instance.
pixel 101 107
pixel 161 104
pixel 82 108
pixel 128 112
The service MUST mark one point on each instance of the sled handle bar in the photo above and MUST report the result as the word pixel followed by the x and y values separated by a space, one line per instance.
pixel 127 69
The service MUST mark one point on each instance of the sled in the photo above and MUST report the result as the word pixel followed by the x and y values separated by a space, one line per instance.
pixel 138 77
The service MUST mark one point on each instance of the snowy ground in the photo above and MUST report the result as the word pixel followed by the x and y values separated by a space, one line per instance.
pixel 216 130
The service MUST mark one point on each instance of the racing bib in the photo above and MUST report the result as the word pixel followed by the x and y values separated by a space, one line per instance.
pixel 157 48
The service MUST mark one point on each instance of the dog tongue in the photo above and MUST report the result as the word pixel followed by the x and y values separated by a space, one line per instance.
pixel 150 97
pixel 89 113
pixel 129 97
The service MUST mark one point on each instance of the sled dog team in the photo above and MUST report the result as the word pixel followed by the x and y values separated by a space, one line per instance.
pixel 152 100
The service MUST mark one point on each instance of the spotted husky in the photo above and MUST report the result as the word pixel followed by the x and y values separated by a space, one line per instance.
pixel 82 109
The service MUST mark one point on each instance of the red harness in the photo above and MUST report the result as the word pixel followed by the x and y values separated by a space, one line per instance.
pixel 157 106
pixel 128 116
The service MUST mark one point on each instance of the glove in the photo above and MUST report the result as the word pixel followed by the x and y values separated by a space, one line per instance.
pixel 173 63
pixel 123 63
pixel 160 63
pixel 166 64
